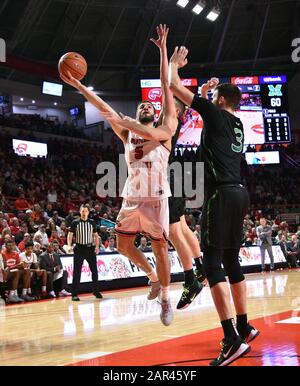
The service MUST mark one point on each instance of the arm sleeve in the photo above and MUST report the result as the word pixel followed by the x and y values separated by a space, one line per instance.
pixel 207 110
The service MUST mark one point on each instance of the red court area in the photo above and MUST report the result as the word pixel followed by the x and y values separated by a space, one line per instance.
pixel 277 345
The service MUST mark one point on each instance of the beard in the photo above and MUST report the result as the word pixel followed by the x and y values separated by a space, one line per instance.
pixel 146 118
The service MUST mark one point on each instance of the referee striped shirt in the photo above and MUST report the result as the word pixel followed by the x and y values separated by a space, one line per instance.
pixel 84 231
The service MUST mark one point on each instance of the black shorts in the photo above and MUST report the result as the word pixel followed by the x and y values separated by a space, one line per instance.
pixel 176 204
pixel 222 218
pixel 176 209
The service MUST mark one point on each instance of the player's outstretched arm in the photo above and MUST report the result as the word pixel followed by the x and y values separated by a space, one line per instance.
pixel 179 60
pixel 96 101
pixel 169 110
pixel 160 133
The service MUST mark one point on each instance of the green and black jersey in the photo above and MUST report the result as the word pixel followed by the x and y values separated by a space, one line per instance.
pixel 222 142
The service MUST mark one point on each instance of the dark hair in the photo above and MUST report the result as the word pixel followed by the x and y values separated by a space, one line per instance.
pixel 231 94
pixel 29 244
pixel 85 206
pixel 180 105
pixel 145 101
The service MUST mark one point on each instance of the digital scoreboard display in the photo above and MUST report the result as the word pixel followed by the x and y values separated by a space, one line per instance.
pixel 263 108
pixel 275 108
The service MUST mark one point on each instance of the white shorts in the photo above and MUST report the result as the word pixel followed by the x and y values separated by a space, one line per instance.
pixel 148 217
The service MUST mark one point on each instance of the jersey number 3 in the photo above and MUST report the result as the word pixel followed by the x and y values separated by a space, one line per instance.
pixel 239 136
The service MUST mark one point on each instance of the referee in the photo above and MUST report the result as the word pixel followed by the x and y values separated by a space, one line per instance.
pixel 86 248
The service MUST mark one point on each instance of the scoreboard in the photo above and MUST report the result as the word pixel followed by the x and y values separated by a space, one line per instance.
pixel 263 108
pixel 275 109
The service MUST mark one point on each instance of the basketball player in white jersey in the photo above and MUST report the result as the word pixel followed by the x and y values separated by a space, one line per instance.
pixel 145 205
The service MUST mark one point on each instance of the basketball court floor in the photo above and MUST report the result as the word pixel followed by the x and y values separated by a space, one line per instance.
pixel 124 328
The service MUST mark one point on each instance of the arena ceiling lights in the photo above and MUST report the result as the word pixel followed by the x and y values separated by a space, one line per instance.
pixel 199 6
pixel 213 14
pixel 182 3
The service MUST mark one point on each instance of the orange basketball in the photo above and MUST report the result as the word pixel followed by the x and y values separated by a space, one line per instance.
pixel 73 62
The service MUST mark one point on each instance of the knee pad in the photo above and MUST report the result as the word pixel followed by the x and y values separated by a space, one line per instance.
pixel 213 270
pixel 232 266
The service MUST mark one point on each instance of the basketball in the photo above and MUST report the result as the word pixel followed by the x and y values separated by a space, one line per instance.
pixel 73 62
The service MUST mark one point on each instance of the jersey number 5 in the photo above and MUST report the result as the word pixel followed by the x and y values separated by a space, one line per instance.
pixel 138 153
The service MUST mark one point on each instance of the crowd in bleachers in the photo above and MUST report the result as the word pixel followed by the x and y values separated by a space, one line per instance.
pixel 39 198
pixel 34 123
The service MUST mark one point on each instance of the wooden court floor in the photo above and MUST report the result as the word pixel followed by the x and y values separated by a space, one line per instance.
pixel 124 328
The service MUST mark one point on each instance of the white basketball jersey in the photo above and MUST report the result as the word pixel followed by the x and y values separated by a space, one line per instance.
pixel 147 163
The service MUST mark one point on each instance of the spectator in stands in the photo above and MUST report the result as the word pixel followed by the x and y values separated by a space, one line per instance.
pixel 14 226
pixel 70 218
pixel 42 233
pixel 29 258
pixel 36 214
pixel 21 204
pixel 284 247
pixel 248 240
pixel 56 219
pixel 101 246
pixel 22 243
pixel 12 260
pixel 37 248
pixel 57 249
pixel 144 247
pixel 264 233
pixel 19 236
pixel 52 195
pixel 11 277
pixel 293 251
pixel 48 211
pixel 104 234
pixel 57 277
pixel 3 224
pixel 111 245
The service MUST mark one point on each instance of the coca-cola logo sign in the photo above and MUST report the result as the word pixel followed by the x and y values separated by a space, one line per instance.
pixel 154 94
pixel 245 80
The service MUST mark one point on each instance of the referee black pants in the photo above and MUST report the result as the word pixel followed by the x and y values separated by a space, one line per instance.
pixel 82 253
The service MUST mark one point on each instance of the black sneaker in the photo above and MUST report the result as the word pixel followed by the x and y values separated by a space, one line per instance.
pixel 75 298
pixel 199 275
pixel 98 295
pixel 189 294
pixel 231 350
pixel 249 334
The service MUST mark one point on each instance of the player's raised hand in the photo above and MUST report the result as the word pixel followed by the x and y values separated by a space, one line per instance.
pixel 70 80
pixel 162 33
pixel 212 83
pixel 179 57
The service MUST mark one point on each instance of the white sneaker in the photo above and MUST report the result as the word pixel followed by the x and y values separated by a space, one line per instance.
pixel 52 294
pixel 64 293
pixel 166 315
